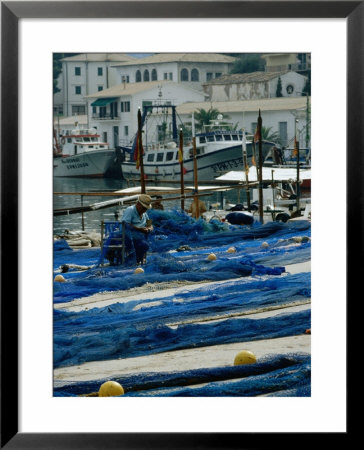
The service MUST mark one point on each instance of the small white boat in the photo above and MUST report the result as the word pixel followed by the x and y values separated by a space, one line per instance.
pixel 82 154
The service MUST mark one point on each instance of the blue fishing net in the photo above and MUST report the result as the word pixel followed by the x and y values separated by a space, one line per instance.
pixel 271 375
pixel 286 244
pixel 82 338
pixel 179 247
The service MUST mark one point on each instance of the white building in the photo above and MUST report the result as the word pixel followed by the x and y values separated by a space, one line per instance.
pixel 82 75
pixel 255 85
pixel 279 114
pixel 190 69
pixel 64 125
pixel 114 111
pixel 297 62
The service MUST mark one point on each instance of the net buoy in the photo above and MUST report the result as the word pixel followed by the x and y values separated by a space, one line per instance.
pixel 231 250
pixel 211 257
pixel 60 278
pixel 111 389
pixel 139 270
pixel 244 357
pixel 265 245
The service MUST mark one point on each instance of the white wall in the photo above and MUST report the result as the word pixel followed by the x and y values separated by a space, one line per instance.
pixel 293 79
pixel 248 120
pixel 173 93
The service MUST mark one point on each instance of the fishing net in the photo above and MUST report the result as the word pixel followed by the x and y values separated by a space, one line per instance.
pixel 179 253
pixel 106 334
pixel 272 375
pixel 249 280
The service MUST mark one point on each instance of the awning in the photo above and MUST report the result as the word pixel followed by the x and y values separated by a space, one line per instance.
pixel 103 101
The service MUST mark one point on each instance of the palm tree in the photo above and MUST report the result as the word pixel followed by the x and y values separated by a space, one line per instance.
pixel 268 135
pixel 203 117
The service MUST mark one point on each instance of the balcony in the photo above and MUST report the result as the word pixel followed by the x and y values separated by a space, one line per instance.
pixel 299 67
pixel 105 116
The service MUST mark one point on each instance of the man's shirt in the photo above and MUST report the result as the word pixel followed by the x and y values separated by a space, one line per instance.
pixel 132 217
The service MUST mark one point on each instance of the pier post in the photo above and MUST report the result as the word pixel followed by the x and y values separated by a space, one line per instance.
pixel 83 218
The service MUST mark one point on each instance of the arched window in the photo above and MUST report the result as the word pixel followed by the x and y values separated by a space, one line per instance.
pixel 138 76
pixel 195 75
pixel 184 75
pixel 154 75
pixel 146 75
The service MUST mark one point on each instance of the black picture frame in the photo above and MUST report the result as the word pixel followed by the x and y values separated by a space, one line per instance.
pixel 11 12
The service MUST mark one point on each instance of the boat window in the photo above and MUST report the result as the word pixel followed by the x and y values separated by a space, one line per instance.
pixel 235 137
pixel 90 146
pixel 86 139
pixel 176 155
pixel 78 140
pixel 160 157
pixel 102 146
pixel 169 156
pixel 227 137
pixel 218 137
pixel 69 140
pixel 211 138
pixel 150 157
pixel 202 140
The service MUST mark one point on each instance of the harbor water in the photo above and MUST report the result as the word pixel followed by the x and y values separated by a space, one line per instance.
pixel 64 188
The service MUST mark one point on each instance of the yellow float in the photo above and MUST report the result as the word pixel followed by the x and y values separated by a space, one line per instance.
pixel 111 389
pixel 245 357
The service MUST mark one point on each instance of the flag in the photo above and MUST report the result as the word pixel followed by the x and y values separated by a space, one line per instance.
pixel 258 130
pixel 257 135
pixel 137 153
pixel 295 150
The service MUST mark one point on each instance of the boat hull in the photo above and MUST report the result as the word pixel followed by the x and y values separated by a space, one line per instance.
pixel 210 165
pixel 90 164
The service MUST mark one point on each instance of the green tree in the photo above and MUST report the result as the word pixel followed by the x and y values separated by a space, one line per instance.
pixel 307 87
pixel 203 117
pixel 57 68
pixel 269 135
pixel 248 62
pixel 279 88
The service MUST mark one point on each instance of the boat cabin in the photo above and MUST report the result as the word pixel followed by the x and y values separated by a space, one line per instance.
pixel 80 141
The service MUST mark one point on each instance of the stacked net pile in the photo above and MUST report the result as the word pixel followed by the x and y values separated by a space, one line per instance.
pixel 284 244
pixel 140 327
pixel 250 279
pixel 272 375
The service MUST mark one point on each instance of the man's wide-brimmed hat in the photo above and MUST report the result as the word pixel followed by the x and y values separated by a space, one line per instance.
pixel 145 200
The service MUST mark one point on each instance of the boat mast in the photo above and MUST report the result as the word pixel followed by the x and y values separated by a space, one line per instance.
pixel 140 153
pixel 259 129
pixel 180 158
pixel 197 209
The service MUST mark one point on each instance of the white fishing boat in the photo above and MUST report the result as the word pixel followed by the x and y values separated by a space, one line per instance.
pixel 218 150
pixel 82 154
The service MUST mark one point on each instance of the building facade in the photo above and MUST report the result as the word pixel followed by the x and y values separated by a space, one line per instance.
pixel 255 85
pixel 189 69
pixel 114 111
pixel 284 116
pixel 82 75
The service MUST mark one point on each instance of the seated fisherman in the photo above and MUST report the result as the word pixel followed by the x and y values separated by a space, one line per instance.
pixel 137 218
